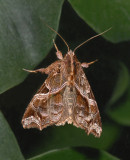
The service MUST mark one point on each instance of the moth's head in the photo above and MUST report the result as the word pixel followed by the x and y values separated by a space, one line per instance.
pixel 71 53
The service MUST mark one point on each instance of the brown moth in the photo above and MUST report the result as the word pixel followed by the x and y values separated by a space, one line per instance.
pixel 65 96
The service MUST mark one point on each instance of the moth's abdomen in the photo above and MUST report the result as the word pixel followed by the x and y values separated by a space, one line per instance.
pixel 69 100
pixel 69 96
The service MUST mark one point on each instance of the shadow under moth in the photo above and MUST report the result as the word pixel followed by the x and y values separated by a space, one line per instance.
pixel 65 96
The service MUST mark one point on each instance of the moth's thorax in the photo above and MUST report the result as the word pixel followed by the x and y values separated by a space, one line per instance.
pixel 69 62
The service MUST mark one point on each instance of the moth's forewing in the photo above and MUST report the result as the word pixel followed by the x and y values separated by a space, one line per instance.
pixel 86 115
pixel 86 111
pixel 43 111
pixel 56 79
pixel 46 107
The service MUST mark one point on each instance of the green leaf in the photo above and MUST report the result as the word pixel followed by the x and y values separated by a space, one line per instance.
pixel 103 14
pixel 70 136
pixel 64 154
pixel 74 154
pixel 121 113
pixel 24 39
pixel 121 85
pixel 118 106
pixel 9 149
pixel 105 155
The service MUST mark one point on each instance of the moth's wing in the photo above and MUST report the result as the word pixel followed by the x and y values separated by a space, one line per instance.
pixel 43 111
pixel 86 113
pixel 81 82
pixel 56 79
pixel 46 107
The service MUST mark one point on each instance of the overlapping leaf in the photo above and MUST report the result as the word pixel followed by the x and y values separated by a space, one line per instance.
pixel 70 136
pixel 103 14
pixel 24 38
pixel 73 154
pixel 9 149
pixel 118 106
pixel 121 112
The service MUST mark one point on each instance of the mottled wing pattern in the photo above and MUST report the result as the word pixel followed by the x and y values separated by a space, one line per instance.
pixel 43 111
pixel 56 79
pixel 86 113
pixel 46 107
pixel 81 82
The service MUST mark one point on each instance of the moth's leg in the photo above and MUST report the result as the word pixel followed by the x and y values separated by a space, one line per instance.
pixel 45 70
pixel 86 65
pixel 58 53
pixel 41 70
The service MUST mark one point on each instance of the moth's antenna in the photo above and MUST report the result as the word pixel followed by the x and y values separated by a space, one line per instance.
pixel 91 39
pixel 57 34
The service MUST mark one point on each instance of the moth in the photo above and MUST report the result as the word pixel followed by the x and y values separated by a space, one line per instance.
pixel 65 96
